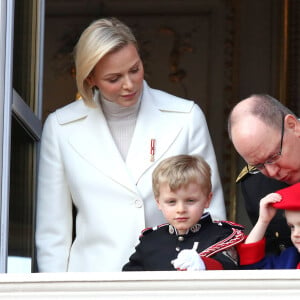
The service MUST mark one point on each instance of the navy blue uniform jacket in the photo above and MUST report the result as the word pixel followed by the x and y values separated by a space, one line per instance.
pixel 160 245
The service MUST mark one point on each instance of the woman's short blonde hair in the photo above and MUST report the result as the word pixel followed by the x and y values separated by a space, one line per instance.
pixel 101 37
pixel 180 170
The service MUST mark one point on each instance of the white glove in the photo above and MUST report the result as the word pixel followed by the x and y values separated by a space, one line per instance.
pixel 188 259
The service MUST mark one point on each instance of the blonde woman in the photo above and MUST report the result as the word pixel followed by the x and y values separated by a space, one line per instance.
pixel 98 154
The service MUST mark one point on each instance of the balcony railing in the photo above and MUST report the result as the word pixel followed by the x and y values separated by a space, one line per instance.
pixel 257 284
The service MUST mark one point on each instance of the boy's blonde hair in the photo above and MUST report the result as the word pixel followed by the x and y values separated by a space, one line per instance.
pixel 180 170
pixel 103 36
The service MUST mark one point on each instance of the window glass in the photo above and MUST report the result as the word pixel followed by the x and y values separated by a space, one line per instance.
pixel 24 65
pixel 21 210
pixel 23 144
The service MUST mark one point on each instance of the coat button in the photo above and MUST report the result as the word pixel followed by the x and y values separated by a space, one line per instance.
pixel 138 203
pixel 180 238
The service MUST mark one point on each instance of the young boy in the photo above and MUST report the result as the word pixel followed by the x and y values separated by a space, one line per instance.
pixel 252 251
pixel 190 240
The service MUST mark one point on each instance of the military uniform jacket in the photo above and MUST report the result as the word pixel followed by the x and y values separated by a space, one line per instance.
pixel 160 245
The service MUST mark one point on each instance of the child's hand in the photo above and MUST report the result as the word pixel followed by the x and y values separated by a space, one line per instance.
pixel 267 211
pixel 188 260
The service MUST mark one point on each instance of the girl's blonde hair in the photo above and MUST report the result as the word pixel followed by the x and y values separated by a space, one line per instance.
pixel 180 170
pixel 101 37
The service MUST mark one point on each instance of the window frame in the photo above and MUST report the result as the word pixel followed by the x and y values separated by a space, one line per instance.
pixel 15 107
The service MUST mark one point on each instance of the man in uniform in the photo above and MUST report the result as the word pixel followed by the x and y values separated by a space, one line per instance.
pixel 267 135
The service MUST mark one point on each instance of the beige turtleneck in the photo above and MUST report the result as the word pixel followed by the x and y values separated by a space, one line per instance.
pixel 121 122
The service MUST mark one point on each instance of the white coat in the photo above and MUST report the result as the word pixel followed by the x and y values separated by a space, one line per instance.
pixel 80 164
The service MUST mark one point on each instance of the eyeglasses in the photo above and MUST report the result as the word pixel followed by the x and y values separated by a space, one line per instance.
pixel 253 169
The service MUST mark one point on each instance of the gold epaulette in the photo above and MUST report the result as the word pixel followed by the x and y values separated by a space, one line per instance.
pixel 242 174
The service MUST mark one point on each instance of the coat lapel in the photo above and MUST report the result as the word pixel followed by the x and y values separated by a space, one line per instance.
pixel 152 123
pixel 95 144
